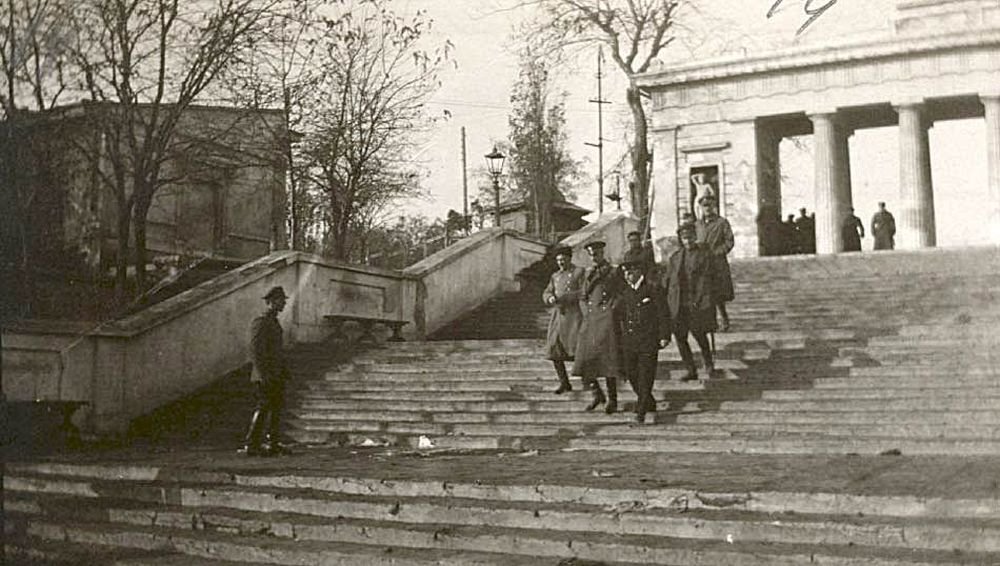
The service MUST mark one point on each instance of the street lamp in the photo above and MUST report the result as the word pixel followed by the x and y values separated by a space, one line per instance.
pixel 494 162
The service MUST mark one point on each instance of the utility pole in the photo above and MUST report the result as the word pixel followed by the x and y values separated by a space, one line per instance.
pixel 600 102
pixel 466 221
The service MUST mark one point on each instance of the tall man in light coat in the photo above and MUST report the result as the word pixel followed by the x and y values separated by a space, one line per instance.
pixel 597 350
pixel 563 295
pixel 715 236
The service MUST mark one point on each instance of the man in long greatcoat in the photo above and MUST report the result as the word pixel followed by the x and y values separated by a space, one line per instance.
pixel 563 295
pixel 597 351
pixel 851 232
pixel 268 375
pixel 688 285
pixel 715 236
pixel 884 228
pixel 644 329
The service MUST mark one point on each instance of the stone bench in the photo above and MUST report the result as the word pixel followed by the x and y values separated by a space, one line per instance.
pixel 367 326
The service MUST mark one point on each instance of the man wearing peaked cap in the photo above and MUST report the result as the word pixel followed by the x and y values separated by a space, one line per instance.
pixel 563 295
pixel 597 353
pixel 644 327
pixel 715 235
pixel 268 374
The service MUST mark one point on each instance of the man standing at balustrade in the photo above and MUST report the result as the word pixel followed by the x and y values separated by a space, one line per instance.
pixel 884 228
pixel 597 351
pixel 715 236
pixel 563 295
pixel 269 374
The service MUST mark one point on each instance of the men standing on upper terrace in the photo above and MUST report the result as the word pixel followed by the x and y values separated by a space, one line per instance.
pixel 851 232
pixel 715 235
pixel 884 228
pixel 597 351
pixel 563 295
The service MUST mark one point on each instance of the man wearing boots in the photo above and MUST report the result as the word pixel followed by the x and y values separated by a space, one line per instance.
pixel 645 329
pixel 689 283
pixel 715 236
pixel 268 375
pixel 597 352
pixel 563 295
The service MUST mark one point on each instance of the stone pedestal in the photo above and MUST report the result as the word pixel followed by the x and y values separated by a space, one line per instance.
pixel 915 226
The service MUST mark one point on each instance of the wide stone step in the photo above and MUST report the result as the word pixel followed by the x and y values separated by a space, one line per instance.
pixel 970 381
pixel 966 400
pixel 913 431
pixel 629 529
pixel 846 417
pixel 792 445
pixel 888 392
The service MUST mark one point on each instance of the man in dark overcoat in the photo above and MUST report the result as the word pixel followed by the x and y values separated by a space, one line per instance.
pixel 884 228
pixel 690 296
pixel 597 351
pixel 563 295
pixel 851 232
pixel 644 326
pixel 715 236
pixel 268 375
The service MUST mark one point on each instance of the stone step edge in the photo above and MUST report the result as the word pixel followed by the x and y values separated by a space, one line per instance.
pixel 626 524
pixel 77 476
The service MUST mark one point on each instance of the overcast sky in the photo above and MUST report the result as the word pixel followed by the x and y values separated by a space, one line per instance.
pixel 476 95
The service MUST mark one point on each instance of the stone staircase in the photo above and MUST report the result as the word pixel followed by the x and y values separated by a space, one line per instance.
pixel 853 421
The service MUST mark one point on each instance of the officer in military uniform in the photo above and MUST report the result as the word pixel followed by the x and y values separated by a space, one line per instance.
pixel 715 236
pixel 563 295
pixel 597 351
pixel 690 291
pixel 645 329
pixel 269 373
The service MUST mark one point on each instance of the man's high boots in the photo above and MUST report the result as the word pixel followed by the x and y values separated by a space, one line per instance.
pixel 612 405
pixel 564 385
pixel 599 398
pixel 251 445
pixel 706 356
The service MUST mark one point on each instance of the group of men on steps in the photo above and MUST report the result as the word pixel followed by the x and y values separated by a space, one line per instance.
pixel 611 321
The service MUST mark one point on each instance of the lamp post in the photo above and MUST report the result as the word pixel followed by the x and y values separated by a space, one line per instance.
pixel 494 162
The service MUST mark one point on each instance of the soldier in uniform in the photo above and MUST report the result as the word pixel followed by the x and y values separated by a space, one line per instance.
pixel 268 375
pixel 884 228
pixel 645 329
pixel 715 236
pixel 597 352
pixel 563 295
pixel 691 298
pixel 851 232
pixel 637 252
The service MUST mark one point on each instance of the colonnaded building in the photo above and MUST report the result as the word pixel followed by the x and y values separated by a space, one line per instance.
pixel 720 122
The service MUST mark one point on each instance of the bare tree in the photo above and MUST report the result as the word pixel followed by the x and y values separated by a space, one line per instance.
pixel 32 36
pixel 358 135
pixel 150 60
pixel 635 33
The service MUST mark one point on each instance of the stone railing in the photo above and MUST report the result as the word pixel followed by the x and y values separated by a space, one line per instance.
pixel 463 276
pixel 126 368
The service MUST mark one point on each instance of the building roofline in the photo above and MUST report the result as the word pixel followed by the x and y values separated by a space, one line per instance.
pixel 812 56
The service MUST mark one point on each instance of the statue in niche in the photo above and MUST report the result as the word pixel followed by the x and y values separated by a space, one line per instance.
pixel 702 185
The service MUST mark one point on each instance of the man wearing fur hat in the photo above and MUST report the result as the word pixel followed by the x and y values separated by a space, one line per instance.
pixel 689 288
pixel 269 373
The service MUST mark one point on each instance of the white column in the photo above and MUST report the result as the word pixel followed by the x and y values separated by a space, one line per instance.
pixel 915 227
pixel 829 178
pixel 992 106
